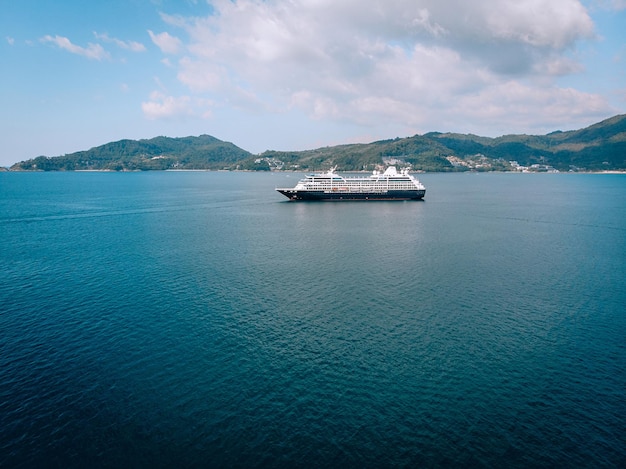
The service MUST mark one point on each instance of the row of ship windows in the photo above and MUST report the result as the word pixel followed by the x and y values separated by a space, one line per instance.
pixel 395 185
pixel 343 181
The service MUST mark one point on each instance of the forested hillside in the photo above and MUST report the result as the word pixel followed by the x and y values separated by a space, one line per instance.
pixel 600 147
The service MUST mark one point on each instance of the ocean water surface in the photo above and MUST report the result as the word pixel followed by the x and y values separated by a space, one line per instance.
pixel 199 319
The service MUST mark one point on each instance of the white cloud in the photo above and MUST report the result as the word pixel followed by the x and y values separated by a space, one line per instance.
pixel 92 51
pixel 558 66
pixel 10 40
pixel 200 76
pixel 128 45
pixel 554 24
pixel 167 43
pixel 161 106
pixel 527 107
pixel 416 63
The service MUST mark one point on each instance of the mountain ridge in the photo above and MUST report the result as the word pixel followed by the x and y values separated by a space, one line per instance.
pixel 598 147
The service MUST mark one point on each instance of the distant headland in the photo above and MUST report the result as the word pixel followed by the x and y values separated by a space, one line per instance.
pixel 599 147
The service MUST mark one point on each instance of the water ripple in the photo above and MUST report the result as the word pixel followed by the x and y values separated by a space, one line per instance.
pixel 188 320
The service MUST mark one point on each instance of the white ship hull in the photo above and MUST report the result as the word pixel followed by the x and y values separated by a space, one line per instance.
pixel 389 185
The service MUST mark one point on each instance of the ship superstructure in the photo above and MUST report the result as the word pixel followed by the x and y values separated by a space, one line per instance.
pixel 389 185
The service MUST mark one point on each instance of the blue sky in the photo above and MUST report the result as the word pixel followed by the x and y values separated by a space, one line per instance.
pixel 301 74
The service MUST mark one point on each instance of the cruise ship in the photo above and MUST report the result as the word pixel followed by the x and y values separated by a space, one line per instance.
pixel 390 185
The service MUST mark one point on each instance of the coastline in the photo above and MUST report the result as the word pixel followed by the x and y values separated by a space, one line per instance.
pixel 5 169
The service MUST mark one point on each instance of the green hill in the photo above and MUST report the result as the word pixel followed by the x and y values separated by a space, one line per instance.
pixel 599 147
pixel 203 152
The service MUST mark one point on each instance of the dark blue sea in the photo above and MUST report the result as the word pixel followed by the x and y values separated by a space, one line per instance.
pixel 200 319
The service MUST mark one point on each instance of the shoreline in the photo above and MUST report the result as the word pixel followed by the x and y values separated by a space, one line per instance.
pixel 4 169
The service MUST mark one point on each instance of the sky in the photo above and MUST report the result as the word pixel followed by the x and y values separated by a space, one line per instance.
pixel 302 74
